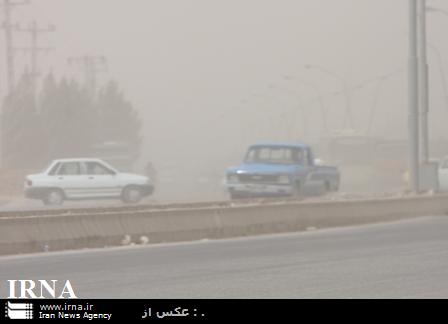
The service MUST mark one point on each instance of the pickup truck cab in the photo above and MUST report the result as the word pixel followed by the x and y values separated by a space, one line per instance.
pixel 77 179
pixel 280 169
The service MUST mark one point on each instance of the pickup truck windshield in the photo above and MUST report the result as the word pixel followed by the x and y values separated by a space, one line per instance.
pixel 275 155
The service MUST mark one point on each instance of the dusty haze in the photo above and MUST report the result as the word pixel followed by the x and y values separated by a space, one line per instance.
pixel 208 77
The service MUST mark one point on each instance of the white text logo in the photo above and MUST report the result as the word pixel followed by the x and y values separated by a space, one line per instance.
pixel 24 289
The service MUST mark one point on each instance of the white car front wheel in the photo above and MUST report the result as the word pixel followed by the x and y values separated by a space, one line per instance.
pixel 54 198
pixel 131 195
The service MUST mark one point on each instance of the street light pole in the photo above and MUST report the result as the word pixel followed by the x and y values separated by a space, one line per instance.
pixel 376 97
pixel 377 91
pixel 442 73
pixel 319 97
pixel 413 98
pixel 301 107
pixel 433 9
pixel 423 81
pixel 439 56
pixel 323 110
pixel 345 89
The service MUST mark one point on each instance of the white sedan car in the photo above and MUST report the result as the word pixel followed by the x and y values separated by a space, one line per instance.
pixel 77 179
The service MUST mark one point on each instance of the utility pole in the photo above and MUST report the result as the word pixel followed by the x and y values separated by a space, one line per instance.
pixel 91 65
pixel 7 25
pixel 413 99
pixel 7 7
pixel 423 81
pixel 34 49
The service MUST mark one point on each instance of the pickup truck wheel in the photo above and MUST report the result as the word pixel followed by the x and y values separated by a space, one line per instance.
pixel 131 195
pixel 327 188
pixel 54 198
pixel 297 189
pixel 234 196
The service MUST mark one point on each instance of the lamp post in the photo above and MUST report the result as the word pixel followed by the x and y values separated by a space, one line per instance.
pixel 319 96
pixel 413 98
pixel 423 81
pixel 434 9
pixel 292 117
pixel 345 90
pixel 378 88
pixel 380 80
pixel 442 73
pixel 439 56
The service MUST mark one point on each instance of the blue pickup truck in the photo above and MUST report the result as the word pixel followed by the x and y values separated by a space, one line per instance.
pixel 280 169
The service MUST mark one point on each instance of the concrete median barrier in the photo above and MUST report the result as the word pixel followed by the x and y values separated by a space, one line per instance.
pixel 109 228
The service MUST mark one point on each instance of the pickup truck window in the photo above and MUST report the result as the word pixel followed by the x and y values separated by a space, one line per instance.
pixel 275 155
pixel 306 158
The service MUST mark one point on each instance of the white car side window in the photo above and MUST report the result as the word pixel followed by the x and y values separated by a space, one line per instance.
pixel 95 168
pixel 69 168
pixel 54 169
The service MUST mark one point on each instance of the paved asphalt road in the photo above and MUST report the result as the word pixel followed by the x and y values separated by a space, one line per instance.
pixel 407 259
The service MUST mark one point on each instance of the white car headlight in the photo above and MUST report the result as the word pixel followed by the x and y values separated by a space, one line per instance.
pixel 283 179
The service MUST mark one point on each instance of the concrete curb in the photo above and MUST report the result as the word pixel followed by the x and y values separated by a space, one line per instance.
pixel 52 233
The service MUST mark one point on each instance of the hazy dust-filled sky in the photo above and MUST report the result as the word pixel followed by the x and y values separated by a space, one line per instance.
pixel 210 77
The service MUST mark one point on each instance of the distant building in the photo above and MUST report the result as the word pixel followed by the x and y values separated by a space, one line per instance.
pixel 121 155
